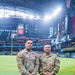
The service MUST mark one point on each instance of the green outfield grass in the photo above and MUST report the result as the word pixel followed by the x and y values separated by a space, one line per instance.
pixel 8 66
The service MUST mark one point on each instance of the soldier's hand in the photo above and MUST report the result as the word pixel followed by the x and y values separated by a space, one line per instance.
pixel 48 73
pixel 30 74
pixel 45 73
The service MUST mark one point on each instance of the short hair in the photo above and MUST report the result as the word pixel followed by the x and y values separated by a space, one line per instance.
pixel 28 40
pixel 47 44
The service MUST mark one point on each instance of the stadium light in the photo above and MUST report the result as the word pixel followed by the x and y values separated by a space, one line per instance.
pixel 1 15
pixel 31 16
pixel 37 17
pixel 59 9
pixel 54 14
pixel 18 13
pixel 50 17
pixel 46 17
pixel 56 11
pixel 7 16
pixel 11 12
pixel 1 10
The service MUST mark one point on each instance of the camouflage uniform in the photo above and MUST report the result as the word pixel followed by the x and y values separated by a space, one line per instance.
pixel 49 63
pixel 27 62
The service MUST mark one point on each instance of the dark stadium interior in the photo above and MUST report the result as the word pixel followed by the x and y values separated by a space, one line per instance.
pixel 16 28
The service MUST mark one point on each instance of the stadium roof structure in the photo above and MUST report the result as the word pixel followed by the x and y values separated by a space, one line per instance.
pixel 38 6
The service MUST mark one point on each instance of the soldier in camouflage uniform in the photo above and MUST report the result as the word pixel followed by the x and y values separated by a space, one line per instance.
pixel 27 60
pixel 49 62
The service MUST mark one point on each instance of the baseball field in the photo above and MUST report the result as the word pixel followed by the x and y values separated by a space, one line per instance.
pixel 8 66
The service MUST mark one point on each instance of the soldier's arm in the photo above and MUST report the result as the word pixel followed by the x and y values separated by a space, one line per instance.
pixel 40 70
pixel 20 65
pixel 57 66
pixel 36 66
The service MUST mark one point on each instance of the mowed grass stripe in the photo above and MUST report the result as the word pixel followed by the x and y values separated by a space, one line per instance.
pixel 66 62
pixel 67 66
pixel 8 66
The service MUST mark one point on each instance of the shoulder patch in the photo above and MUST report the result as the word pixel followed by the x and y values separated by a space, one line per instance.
pixel 19 55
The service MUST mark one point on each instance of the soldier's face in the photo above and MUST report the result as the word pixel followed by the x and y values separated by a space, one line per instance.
pixel 29 44
pixel 47 48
